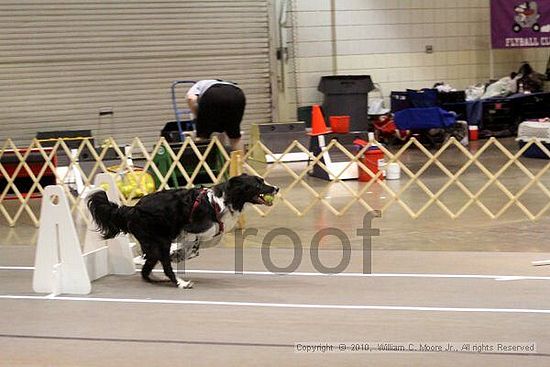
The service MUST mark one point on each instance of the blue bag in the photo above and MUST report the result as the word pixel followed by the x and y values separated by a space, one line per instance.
pixel 424 118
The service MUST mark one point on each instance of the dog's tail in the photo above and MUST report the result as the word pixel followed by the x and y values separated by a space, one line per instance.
pixel 110 218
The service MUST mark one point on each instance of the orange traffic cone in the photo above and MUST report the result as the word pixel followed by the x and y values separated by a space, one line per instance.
pixel 318 125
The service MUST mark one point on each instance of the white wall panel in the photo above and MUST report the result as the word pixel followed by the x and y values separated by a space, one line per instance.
pixel 313 18
pixel 313 5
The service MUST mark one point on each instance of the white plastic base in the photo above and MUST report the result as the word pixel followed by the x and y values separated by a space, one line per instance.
pixel 541 263
pixel 289 157
pixel 343 170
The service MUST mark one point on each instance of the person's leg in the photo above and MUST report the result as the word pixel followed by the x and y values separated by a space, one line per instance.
pixel 203 129
pixel 222 138
pixel 236 144
pixel 206 115
pixel 236 103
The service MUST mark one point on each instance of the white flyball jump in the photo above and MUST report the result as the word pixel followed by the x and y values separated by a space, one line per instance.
pixel 61 264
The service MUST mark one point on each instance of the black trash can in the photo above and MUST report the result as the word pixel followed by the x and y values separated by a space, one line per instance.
pixel 347 95
pixel 171 132
pixel 304 114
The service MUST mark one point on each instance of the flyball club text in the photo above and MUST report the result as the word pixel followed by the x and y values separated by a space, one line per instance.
pixel 527 41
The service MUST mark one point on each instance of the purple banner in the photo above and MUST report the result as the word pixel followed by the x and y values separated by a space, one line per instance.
pixel 517 23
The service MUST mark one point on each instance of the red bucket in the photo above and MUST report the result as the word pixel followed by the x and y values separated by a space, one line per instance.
pixel 339 124
pixel 374 160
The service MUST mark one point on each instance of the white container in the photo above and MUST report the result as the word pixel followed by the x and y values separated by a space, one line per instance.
pixel 466 131
pixel 393 171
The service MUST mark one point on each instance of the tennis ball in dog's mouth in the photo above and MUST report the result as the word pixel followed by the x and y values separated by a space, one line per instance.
pixel 268 198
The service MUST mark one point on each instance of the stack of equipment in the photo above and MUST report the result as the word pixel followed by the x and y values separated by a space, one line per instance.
pixel 277 137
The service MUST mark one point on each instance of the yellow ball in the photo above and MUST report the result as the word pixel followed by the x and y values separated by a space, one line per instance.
pixel 269 199
pixel 126 190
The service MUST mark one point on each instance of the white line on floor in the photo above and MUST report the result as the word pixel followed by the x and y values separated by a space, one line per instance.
pixel 372 275
pixel 16 267
pixel 350 275
pixel 282 305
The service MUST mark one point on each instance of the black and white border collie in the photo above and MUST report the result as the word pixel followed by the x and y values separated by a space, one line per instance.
pixel 158 219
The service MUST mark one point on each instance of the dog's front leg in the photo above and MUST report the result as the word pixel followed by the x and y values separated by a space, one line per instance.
pixel 187 248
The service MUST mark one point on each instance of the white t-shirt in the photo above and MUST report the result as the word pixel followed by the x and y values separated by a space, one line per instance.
pixel 202 86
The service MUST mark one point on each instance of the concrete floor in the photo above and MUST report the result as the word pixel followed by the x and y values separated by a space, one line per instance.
pixel 434 280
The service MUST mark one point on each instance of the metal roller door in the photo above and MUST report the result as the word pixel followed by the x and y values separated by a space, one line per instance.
pixel 63 62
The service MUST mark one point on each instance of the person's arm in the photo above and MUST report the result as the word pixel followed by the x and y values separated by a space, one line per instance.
pixel 193 102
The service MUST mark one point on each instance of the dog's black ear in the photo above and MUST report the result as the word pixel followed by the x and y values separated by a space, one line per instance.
pixel 239 179
pixel 220 188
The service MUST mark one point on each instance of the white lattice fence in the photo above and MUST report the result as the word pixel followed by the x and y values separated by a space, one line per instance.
pixel 453 180
pixel 189 164
pixel 163 163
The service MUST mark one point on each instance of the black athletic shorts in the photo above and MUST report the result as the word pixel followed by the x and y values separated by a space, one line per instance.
pixel 221 109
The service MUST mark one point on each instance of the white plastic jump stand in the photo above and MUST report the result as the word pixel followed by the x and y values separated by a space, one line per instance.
pixel 106 180
pixel 60 266
pixel 119 251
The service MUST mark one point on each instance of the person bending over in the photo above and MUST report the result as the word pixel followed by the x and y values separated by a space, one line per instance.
pixel 218 107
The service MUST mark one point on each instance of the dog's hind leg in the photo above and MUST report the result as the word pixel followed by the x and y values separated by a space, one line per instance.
pixel 147 268
pixel 152 255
